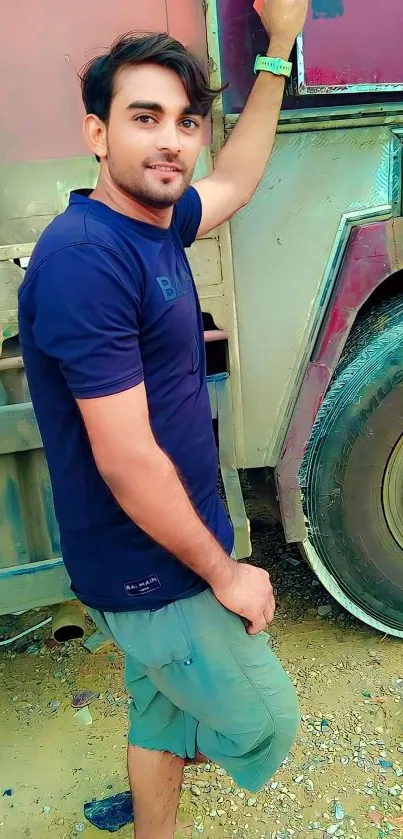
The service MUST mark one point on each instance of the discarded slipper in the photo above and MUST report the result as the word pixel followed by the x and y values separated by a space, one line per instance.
pixel 110 813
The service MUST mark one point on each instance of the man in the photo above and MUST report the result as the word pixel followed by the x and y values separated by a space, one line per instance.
pixel 112 339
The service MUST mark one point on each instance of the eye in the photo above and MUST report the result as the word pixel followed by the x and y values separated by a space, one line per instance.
pixel 189 123
pixel 145 119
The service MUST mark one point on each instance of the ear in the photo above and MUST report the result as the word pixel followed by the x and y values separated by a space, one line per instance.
pixel 95 135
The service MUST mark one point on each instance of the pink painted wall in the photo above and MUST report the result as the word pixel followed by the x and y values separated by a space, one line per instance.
pixel 354 42
pixel 44 43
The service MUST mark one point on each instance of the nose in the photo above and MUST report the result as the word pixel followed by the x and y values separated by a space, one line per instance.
pixel 169 138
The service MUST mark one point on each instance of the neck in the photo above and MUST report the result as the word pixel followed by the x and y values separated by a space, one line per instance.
pixel 110 194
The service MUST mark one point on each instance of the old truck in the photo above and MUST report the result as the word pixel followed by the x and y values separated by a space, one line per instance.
pixel 302 290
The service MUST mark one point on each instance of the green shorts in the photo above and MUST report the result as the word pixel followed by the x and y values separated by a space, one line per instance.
pixel 200 683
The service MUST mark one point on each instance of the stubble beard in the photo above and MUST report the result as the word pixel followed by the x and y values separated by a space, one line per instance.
pixel 158 198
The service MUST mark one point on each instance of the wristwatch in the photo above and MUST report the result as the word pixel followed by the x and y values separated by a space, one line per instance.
pixel 273 65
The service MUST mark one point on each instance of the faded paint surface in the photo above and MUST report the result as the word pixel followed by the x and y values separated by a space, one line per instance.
pixel 327 8
pixel 344 44
pixel 283 245
pixel 43 45
pixel 374 253
pixel 242 37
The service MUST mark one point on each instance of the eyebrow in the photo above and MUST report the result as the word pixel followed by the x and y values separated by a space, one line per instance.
pixel 158 109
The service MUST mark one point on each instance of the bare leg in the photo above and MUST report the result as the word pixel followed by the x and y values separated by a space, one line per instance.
pixel 155 781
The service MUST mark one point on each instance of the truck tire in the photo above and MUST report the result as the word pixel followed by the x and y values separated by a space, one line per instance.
pixel 352 474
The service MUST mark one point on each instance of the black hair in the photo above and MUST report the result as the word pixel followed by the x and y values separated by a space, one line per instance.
pixel 98 76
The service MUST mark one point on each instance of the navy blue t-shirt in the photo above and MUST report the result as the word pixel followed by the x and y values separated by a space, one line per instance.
pixel 106 303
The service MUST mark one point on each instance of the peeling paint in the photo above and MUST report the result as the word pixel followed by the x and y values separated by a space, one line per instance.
pixel 327 8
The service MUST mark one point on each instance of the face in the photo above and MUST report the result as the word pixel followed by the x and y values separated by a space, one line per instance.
pixel 152 140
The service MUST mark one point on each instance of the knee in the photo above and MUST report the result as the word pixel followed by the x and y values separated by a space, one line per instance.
pixel 287 719
pixel 278 734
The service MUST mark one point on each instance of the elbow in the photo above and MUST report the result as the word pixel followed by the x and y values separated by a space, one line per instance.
pixel 125 466
pixel 117 466
pixel 248 194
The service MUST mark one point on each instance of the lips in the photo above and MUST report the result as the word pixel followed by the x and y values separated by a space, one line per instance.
pixel 164 167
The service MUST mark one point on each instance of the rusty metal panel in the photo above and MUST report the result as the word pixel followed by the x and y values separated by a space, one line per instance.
pixel 346 49
pixel 284 247
pixel 343 48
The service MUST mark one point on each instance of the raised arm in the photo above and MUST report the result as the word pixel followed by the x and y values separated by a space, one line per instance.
pixel 241 164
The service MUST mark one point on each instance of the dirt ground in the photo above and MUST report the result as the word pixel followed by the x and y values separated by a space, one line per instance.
pixel 344 777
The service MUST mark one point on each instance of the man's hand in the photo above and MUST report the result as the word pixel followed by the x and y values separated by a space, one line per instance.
pixel 283 21
pixel 250 595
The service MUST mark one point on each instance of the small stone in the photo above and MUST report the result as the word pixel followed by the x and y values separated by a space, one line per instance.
pixel 339 812
pixel 344 760
pixel 324 610
pixel 47 810
pixel 299 779
pixel 80 827
pixel 251 802
pixel 54 705
pixel 375 817
pixel 195 790
pixel 33 649
pixel 83 717
pixel 332 829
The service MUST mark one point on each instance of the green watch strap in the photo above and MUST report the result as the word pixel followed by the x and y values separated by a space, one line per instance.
pixel 273 65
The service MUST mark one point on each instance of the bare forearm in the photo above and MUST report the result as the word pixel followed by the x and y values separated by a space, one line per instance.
pixel 148 489
pixel 245 155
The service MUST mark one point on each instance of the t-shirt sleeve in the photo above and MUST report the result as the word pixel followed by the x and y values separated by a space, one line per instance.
pixel 86 316
pixel 187 216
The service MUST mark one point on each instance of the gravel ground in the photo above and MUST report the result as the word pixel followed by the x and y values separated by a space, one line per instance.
pixel 344 778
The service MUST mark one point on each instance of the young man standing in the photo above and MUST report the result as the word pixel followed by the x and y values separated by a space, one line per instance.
pixel 112 339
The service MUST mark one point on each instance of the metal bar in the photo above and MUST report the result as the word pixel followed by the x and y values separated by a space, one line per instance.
pixel 13 363
pixel 33 585
pixel 16 251
pixel 393 87
pixel 229 472
pixel 347 116
pixel 214 56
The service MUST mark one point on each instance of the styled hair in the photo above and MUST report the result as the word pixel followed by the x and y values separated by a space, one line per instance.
pixel 98 76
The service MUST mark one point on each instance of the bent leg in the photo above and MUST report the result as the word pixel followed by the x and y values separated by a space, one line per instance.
pixel 236 688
